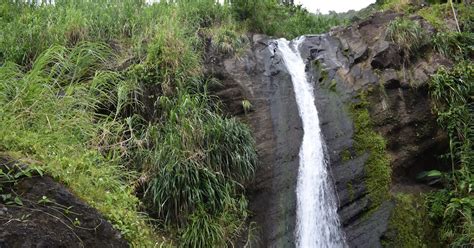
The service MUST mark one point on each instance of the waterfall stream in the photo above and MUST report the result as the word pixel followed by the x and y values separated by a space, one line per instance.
pixel 317 223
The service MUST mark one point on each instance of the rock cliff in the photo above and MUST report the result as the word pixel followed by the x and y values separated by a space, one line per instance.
pixel 341 64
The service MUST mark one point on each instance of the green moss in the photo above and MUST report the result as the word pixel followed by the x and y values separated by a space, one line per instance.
pixel 350 189
pixel 409 225
pixel 377 167
pixel 346 155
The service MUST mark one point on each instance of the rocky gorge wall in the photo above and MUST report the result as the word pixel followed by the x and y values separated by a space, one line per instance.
pixel 342 64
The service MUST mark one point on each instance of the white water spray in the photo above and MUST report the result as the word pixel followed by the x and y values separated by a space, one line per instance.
pixel 317 222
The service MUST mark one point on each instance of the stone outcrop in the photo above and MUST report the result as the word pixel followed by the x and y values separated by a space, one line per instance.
pixel 47 214
pixel 341 64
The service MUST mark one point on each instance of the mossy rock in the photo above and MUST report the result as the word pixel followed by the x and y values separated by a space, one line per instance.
pixel 409 224
pixel 377 166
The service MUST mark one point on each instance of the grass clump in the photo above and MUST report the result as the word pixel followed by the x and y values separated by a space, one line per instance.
pixel 408 35
pixel 227 39
pixel 454 45
pixel 377 166
pixel 201 158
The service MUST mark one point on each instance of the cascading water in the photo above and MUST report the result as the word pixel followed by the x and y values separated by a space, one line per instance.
pixel 317 222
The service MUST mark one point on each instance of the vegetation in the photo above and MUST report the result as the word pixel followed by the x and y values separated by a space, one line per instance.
pixel 454 45
pixel 405 6
pixel 48 115
pixel 409 224
pixel 283 20
pixel 408 35
pixel 377 166
pixel 109 97
pixel 452 207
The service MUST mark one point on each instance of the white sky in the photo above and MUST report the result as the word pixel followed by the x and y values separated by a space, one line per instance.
pixel 325 6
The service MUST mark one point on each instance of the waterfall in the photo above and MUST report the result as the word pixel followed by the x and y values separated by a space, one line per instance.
pixel 317 223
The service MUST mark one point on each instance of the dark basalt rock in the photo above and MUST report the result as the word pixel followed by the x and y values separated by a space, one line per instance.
pixel 386 55
pixel 340 64
pixel 51 216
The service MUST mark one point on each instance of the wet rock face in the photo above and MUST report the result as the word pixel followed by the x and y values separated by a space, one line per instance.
pixel 51 216
pixel 262 78
pixel 340 64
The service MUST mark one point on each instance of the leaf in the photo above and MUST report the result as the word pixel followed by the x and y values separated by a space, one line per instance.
pixel 18 201
pixel 429 174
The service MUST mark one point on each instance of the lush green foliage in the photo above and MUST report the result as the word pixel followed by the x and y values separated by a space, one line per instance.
pixel 377 166
pixel 200 160
pixel 453 207
pixel 405 6
pixel 283 20
pixel 48 114
pixel 110 98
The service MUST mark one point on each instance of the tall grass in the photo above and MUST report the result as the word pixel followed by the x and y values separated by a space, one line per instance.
pixel 455 45
pixel 452 207
pixel 200 160
pixel 48 115
pixel 408 35
pixel 110 97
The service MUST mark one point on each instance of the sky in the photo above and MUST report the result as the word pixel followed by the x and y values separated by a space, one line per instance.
pixel 324 6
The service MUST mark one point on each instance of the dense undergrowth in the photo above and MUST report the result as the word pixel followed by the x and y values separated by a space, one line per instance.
pixel 452 207
pixel 109 97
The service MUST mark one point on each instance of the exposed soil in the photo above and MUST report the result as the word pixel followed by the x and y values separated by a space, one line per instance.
pixel 49 215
